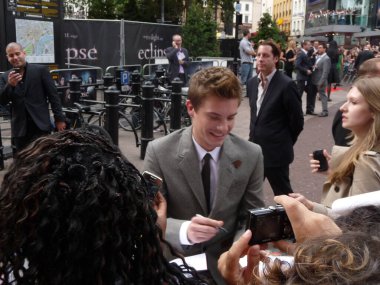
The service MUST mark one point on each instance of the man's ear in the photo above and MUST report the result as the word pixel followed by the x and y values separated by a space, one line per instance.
pixel 190 108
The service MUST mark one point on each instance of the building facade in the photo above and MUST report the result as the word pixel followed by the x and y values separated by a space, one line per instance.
pixel 346 21
pixel 282 14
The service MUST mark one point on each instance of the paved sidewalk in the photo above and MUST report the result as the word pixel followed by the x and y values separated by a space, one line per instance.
pixel 316 134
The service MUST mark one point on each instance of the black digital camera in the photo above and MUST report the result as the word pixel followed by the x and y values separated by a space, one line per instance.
pixel 269 224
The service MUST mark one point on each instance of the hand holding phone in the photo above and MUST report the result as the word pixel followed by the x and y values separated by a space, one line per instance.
pixel 153 182
pixel 323 164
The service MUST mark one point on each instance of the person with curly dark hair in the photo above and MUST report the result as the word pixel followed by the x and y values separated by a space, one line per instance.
pixel 73 210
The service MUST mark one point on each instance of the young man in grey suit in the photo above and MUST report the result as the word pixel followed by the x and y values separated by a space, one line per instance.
pixel 30 88
pixel 198 220
pixel 276 117
pixel 319 77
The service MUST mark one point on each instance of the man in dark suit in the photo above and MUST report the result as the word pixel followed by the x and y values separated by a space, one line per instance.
pixel 178 58
pixel 29 87
pixel 303 68
pixel 198 207
pixel 276 117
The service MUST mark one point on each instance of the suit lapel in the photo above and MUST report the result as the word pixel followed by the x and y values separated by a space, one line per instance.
pixel 189 166
pixel 226 174
pixel 268 91
pixel 29 71
pixel 255 85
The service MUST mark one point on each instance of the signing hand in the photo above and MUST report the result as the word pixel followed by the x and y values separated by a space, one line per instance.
pixel 228 263
pixel 202 229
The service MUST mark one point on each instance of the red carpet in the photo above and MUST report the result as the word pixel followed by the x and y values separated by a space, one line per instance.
pixel 335 89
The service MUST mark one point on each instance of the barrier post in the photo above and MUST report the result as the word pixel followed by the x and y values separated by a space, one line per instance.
pixel 107 80
pixel 75 92
pixel 136 82
pixel 147 116
pixel 118 72
pixel 111 123
pixel 1 151
pixel 175 110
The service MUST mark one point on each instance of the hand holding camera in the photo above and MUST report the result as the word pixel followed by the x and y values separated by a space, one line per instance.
pixel 269 224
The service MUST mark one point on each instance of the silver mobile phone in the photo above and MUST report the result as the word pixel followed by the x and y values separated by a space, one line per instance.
pixel 154 183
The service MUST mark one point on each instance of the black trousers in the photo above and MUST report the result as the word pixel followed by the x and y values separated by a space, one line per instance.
pixel 278 178
pixel 32 133
pixel 311 96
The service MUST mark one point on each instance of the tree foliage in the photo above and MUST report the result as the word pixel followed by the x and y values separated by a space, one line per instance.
pixel 199 32
pixel 101 9
pixel 268 30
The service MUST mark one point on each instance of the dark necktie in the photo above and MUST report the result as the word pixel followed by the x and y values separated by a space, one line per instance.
pixel 206 178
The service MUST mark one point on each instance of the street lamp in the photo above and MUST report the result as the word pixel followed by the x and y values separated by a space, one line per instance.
pixel 238 21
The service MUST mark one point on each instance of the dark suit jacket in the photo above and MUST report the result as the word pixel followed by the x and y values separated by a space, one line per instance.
pixel 279 121
pixel 362 57
pixel 303 64
pixel 171 54
pixel 37 92
pixel 175 159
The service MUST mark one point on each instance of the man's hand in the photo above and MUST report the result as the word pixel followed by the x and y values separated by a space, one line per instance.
pixel 306 224
pixel 14 78
pixel 309 72
pixel 202 229
pixel 60 125
pixel 228 263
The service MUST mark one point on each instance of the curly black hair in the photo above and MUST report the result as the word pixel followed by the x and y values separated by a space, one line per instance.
pixel 73 210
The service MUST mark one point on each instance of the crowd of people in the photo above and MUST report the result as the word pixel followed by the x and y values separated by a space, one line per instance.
pixel 74 210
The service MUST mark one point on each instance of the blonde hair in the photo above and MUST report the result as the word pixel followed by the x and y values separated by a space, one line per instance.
pixel 369 87
pixel 291 45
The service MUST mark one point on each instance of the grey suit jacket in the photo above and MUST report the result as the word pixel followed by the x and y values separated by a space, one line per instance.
pixel 33 96
pixel 239 188
pixel 321 71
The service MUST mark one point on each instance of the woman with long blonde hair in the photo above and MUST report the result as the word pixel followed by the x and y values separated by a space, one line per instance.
pixel 290 58
pixel 355 169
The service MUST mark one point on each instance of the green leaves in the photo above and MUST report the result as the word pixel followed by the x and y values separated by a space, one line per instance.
pixel 199 32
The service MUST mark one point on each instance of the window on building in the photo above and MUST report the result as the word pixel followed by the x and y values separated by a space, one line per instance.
pixel 245 19
pixel 247 7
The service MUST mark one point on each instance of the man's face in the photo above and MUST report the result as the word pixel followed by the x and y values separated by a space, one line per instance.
pixel 16 56
pixel 307 45
pixel 321 49
pixel 177 40
pixel 213 120
pixel 265 61
pixel 316 44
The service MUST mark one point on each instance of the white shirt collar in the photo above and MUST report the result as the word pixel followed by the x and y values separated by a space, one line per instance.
pixel 201 151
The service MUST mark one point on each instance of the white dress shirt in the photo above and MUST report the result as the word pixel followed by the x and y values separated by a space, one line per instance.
pixel 214 166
